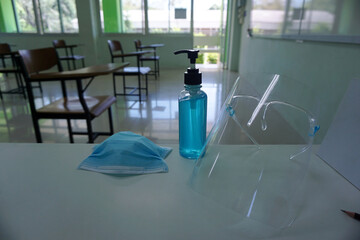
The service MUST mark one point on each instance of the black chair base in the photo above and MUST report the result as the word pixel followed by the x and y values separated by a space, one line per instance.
pixel 156 71
pixel 20 89
pixel 133 90
pixel 14 91
pixel 90 133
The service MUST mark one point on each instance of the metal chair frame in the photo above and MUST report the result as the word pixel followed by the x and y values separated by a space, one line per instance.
pixel 69 53
pixel 154 58
pixel 47 58
pixel 6 53
pixel 115 46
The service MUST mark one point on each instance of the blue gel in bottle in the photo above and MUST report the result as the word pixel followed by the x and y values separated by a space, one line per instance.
pixel 192 121
pixel 192 111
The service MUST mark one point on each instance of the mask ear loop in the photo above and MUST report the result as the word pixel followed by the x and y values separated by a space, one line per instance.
pixel 313 128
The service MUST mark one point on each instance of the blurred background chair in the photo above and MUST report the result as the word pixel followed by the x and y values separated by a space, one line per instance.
pixel 6 53
pixel 116 51
pixel 69 53
pixel 79 107
pixel 149 58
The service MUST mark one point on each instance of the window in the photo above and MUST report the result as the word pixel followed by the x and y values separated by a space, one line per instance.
pixel 46 16
pixel 128 16
pixel 69 16
pixel 50 16
pixel 25 16
pixel 122 16
pixel 58 16
pixel 317 20
pixel 167 16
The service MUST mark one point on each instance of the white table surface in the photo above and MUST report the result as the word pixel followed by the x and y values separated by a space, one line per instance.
pixel 44 196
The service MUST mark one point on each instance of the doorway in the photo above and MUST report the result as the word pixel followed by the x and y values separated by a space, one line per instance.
pixel 210 18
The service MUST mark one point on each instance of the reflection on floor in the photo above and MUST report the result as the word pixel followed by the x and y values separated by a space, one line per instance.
pixel 155 118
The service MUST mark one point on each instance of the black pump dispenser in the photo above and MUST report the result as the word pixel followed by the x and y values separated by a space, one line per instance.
pixel 192 76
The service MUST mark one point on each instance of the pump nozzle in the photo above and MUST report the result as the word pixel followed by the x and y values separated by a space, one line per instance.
pixel 192 76
pixel 192 54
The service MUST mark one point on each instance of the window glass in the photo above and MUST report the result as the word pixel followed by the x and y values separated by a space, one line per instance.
pixel 50 16
pixel 126 16
pixel 25 16
pixel 318 20
pixel 132 17
pixel 69 16
pixel 267 17
pixel 319 17
pixel 169 16
pixel 208 17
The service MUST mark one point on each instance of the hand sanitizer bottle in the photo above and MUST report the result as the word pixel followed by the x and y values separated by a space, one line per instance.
pixel 192 111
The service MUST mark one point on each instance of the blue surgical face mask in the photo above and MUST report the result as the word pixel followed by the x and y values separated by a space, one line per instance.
pixel 127 153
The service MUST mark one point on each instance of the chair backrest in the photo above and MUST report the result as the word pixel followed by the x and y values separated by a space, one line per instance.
pixel 4 48
pixel 59 43
pixel 137 44
pixel 38 60
pixel 115 46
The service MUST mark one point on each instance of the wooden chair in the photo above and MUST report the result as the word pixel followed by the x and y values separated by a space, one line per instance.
pixel 80 107
pixel 69 53
pixel 149 58
pixel 6 53
pixel 116 51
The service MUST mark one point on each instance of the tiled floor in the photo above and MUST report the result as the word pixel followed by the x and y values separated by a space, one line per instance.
pixel 155 118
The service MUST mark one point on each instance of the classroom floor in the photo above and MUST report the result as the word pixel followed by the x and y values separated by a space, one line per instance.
pixel 156 118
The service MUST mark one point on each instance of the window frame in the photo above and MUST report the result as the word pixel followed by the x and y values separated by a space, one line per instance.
pixel 39 21
pixel 329 38
pixel 146 30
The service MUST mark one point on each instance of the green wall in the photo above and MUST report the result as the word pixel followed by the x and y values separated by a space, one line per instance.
pixel 7 20
pixel 112 15
pixel 326 68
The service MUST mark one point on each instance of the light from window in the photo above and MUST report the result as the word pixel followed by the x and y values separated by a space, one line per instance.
pixel 25 16
pixel 208 18
pixel 54 16
pixel 171 16
pixel 55 20
pixel 69 16
pixel 50 16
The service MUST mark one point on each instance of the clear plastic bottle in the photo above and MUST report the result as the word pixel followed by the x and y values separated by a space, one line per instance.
pixel 192 111
pixel 192 121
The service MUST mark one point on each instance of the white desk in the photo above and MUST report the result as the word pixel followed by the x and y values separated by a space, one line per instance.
pixel 44 196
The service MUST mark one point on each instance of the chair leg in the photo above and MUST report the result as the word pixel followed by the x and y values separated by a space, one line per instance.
pixel 155 69
pixel 68 63
pixel 146 84
pixel 124 85
pixel 110 121
pixel 37 130
pixel 40 87
pixel 90 131
pixel 74 64
pixel 4 64
pixel 139 84
pixel 114 85
pixel 158 67
pixel 20 84
pixel 70 131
